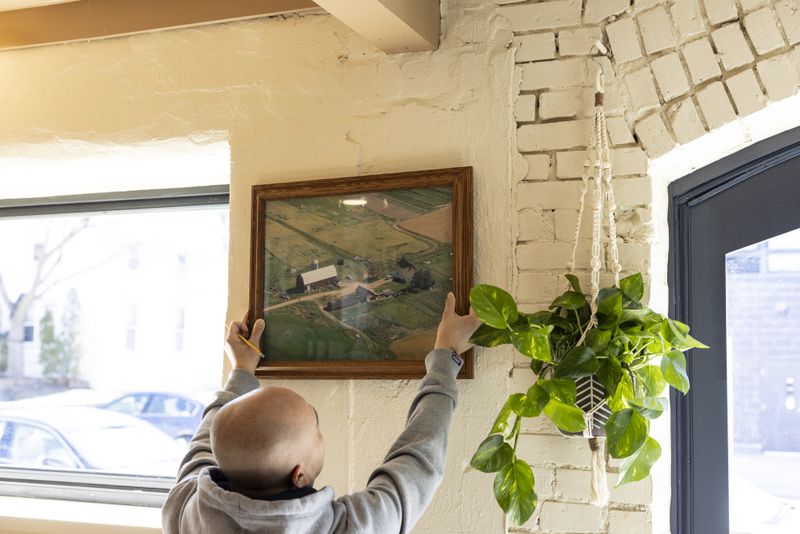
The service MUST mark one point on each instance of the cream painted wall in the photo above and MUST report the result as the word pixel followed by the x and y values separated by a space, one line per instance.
pixel 301 98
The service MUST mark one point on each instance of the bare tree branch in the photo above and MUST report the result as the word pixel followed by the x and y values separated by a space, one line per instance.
pixel 54 283
pixel 78 228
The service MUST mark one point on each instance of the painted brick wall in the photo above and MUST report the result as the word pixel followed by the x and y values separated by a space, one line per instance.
pixel 677 69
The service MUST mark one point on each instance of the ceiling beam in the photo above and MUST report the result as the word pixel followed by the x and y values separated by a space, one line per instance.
pixel 94 19
pixel 394 26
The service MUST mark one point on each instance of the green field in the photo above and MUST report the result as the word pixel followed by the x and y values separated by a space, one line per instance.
pixel 299 232
pixel 421 200
pixel 303 332
pixel 388 320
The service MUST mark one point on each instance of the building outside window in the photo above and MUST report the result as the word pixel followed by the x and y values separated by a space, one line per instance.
pixel 130 332
pixel 179 329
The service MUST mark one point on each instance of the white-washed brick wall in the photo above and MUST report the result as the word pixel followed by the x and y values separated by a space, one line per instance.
pixel 677 69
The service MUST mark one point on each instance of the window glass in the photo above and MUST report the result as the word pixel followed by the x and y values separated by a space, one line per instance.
pixel 763 318
pixel 113 330
pixel 32 446
pixel 130 404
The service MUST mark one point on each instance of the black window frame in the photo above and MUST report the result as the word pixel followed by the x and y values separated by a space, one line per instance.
pixel 699 489
pixel 92 486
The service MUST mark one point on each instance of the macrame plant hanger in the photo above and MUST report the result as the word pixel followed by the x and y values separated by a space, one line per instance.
pixel 597 168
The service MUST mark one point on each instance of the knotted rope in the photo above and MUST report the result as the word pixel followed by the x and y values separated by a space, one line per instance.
pixel 597 167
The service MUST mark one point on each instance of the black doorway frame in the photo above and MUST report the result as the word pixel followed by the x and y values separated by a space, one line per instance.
pixel 750 179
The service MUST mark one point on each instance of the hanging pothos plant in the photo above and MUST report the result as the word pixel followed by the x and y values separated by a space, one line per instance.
pixel 622 352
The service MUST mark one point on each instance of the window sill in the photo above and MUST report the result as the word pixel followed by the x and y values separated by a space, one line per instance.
pixel 45 516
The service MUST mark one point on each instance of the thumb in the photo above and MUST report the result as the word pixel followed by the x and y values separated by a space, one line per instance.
pixel 258 329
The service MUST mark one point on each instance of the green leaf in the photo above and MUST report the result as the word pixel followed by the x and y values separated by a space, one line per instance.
pixel 571 300
pixel 501 425
pixel 492 455
pixel 559 322
pixel 533 342
pixel 578 362
pixel 536 366
pixel 677 334
pixel 529 406
pixel 626 430
pixel 643 316
pixel 598 339
pixel 673 367
pixel 609 374
pixel 649 407
pixel 633 287
pixel 574 283
pixel 541 317
pixel 513 489
pixel 652 379
pixel 562 389
pixel 493 306
pixel 537 398
pixel 567 417
pixel 487 336
pixel 610 307
pixel 622 393
pixel 515 400
pixel 637 466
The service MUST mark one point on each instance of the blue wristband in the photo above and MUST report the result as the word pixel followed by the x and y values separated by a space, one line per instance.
pixel 456 358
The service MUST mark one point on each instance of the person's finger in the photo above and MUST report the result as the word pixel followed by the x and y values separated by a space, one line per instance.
pixel 243 323
pixel 258 329
pixel 450 304
pixel 233 329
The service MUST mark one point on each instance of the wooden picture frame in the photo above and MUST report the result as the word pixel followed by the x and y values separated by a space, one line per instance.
pixel 385 202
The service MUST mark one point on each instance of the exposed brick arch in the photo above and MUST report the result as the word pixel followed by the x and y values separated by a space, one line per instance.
pixel 677 70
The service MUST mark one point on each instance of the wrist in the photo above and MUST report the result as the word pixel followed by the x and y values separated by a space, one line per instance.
pixel 445 346
pixel 246 368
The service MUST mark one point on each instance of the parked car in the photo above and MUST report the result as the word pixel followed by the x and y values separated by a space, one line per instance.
pixel 177 415
pixel 78 437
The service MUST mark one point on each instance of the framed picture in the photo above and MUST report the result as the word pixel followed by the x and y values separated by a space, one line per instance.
pixel 351 274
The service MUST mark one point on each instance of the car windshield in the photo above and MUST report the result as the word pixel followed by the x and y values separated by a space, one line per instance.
pixel 140 449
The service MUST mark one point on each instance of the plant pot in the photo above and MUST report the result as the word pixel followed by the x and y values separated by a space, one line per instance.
pixel 590 399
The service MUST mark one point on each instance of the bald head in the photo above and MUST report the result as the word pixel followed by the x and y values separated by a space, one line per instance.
pixel 268 441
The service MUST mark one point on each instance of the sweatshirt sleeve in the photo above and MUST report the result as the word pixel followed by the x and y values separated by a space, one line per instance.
pixel 199 454
pixel 398 491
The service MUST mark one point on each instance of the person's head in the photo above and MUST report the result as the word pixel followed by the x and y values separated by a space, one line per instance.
pixel 268 441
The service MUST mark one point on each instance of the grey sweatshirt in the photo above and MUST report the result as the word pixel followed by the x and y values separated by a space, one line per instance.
pixel 396 495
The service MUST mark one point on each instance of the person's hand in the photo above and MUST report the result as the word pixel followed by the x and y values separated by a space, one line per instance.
pixel 454 329
pixel 239 353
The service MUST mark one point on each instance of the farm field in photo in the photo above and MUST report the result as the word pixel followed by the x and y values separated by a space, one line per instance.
pixel 356 277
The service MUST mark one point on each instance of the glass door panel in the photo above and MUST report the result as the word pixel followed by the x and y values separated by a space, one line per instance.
pixel 763 365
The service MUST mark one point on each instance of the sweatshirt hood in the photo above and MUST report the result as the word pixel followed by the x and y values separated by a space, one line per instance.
pixel 218 505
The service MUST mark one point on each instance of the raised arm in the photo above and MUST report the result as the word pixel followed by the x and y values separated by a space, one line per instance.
pixel 242 379
pixel 402 487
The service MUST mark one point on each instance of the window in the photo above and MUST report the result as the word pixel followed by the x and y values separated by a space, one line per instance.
pixel 105 397
pixel 130 332
pixel 179 327
pixel 181 265
pixel 27 336
pixel 133 258
pixel 735 277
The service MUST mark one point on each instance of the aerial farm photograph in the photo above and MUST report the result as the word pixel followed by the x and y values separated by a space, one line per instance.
pixel 356 277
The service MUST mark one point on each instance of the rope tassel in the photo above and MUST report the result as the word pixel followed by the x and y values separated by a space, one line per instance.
pixel 600 494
